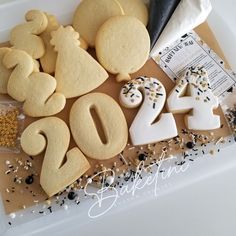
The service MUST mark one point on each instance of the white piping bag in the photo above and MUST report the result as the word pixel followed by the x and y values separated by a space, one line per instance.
pixel 187 16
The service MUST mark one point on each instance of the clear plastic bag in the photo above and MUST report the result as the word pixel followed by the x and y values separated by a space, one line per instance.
pixel 11 126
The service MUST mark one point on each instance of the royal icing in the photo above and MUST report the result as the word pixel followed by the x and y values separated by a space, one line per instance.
pixel 143 129
pixel 193 95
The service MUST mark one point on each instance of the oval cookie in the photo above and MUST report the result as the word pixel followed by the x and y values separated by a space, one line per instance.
pixel 122 46
pixel 91 14
pixel 135 8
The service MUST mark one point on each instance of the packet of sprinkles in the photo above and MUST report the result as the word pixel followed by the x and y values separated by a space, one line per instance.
pixel 11 126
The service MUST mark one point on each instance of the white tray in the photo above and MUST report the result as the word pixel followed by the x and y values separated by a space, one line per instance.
pixel 12 13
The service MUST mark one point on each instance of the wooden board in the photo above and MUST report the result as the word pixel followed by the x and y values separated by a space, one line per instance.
pixel 17 196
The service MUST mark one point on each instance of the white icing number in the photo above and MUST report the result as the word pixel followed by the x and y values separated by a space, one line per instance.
pixel 193 95
pixel 142 130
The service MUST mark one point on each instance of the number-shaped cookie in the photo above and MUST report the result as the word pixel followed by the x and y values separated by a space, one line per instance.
pixel 143 129
pixel 35 89
pixel 193 95
pixel 25 36
pixel 77 72
pixel 85 131
pixel 53 135
pixel 48 61
pixel 4 72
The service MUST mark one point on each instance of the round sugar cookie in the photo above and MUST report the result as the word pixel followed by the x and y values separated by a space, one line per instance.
pixel 122 46
pixel 136 8
pixel 91 14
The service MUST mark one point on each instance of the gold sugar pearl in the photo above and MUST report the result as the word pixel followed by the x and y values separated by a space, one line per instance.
pixel 9 127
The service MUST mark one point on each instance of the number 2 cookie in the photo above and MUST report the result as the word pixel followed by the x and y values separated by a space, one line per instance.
pixel 122 46
pixel 53 135
pixel 35 89
pixel 4 72
pixel 26 36
pixel 151 93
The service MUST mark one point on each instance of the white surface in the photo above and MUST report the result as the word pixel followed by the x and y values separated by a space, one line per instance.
pixel 202 205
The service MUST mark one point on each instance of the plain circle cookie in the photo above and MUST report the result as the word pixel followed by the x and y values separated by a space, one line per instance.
pixel 91 14
pixel 136 8
pixel 122 46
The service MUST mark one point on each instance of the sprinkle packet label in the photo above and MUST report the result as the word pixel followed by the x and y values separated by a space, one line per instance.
pixel 189 51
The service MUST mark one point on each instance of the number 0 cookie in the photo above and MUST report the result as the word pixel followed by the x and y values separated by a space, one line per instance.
pixel 91 14
pixel 122 46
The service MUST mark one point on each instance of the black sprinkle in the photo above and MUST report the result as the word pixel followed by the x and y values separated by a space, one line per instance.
pixel 29 180
pixel 9 223
pixel 154 105
pixel 50 209
pixel 159 94
pixel 190 145
pixel 230 90
pixel 142 157
pixel 41 212
pixel 181 163
pixel 177 91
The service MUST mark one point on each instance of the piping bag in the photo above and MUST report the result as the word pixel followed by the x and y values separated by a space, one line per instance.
pixel 160 11
pixel 188 15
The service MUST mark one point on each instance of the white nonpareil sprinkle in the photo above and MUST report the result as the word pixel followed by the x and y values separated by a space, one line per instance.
pixel 12 215
pixel 65 207
pixel 110 180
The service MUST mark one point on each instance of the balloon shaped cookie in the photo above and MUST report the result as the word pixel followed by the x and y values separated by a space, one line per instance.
pixel 35 89
pixel 25 36
pixel 91 14
pixel 77 72
pixel 136 8
pixel 122 46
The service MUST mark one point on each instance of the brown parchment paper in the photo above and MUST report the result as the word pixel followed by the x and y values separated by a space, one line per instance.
pixel 18 196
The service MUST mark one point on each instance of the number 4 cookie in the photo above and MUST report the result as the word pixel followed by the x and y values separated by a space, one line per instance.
pixel 193 95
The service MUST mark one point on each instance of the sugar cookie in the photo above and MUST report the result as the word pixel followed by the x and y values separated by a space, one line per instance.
pixel 136 8
pixel 143 130
pixel 25 36
pixel 77 72
pixel 91 14
pixel 193 95
pixel 35 89
pixel 85 131
pixel 53 135
pixel 4 72
pixel 122 46
pixel 48 61
pixel 83 43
